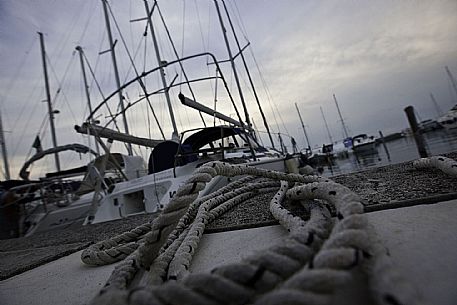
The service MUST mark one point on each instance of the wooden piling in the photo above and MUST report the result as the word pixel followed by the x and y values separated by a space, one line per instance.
pixel 420 143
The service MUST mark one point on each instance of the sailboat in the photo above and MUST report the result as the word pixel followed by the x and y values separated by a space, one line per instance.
pixel 449 119
pixel 58 199
pixel 361 143
pixel 172 161
pixel 117 185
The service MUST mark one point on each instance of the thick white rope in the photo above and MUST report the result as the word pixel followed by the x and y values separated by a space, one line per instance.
pixel 448 166
pixel 351 242
pixel 289 266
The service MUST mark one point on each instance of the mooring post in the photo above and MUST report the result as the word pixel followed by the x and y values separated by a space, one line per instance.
pixel 420 143
pixel 383 142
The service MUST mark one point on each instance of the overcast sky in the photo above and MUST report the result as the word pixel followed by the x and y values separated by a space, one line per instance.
pixel 377 57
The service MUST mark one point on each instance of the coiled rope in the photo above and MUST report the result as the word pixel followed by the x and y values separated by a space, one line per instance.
pixel 307 267
pixel 446 165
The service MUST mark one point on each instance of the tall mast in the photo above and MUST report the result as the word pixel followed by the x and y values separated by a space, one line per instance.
pixel 326 125
pixel 437 107
pixel 232 62
pixel 303 126
pixel 162 72
pixel 86 87
pixel 4 152
pixel 451 77
pixel 116 72
pixel 48 100
pixel 249 75
pixel 341 118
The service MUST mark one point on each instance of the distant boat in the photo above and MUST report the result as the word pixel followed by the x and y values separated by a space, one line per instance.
pixel 363 143
pixel 429 125
pixel 392 136
pixel 321 156
pixel 449 119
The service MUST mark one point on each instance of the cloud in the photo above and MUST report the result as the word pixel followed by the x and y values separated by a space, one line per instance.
pixel 351 48
pixel 376 56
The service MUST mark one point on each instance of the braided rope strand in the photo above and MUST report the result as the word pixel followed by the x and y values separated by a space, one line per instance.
pixel 447 165
pixel 306 267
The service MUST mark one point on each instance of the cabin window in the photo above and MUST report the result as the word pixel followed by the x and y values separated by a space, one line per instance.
pixel 133 203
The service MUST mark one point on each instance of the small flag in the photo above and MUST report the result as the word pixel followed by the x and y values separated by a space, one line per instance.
pixel 37 144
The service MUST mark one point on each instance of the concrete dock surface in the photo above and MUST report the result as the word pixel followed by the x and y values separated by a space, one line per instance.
pixel 421 239
pixel 413 211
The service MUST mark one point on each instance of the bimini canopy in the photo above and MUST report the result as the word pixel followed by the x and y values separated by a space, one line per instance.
pixel 163 155
pixel 209 135
pixel 24 174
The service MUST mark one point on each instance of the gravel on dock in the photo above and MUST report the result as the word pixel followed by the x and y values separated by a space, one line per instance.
pixel 392 185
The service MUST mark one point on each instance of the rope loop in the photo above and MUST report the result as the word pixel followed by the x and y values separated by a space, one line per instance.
pixel 446 165
pixel 316 258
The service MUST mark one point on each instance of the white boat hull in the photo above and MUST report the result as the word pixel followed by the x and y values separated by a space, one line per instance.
pixel 364 147
pixel 149 194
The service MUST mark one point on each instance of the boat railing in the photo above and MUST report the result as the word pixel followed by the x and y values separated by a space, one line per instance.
pixel 140 78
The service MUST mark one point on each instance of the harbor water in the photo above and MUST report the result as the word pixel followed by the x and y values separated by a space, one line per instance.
pixel 396 151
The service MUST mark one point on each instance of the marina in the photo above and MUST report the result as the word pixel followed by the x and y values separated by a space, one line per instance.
pixel 398 195
pixel 179 197
pixel 398 151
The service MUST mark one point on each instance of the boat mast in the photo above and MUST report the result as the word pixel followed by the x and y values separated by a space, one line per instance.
pixel 341 118
pixel 451 77
pixel 303 126
pixel 4 151
pixel 437 107
pixel 116 72
pixel 86 87
pixel 326 125
pixel 249 75
pixel 232 62
pixel 162 72
pixel 48 100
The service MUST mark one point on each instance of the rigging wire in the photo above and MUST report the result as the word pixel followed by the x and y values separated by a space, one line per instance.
pixel 182 37
pixel 132 60
pixel 61 46
pixel 242 27
pixel 177 57
pixel 205 47
pixel 11 85
pixel 100 91
pixel 61 83
pixel 239 20
pixel 60 91
pixel 45 120
pixel 135 69
pixel 25 128
pixel 92 72
pixel 262 79
pixel 209 28
pixel 58 51
pixel 86 25
pixel 17 73
pixel 94 79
